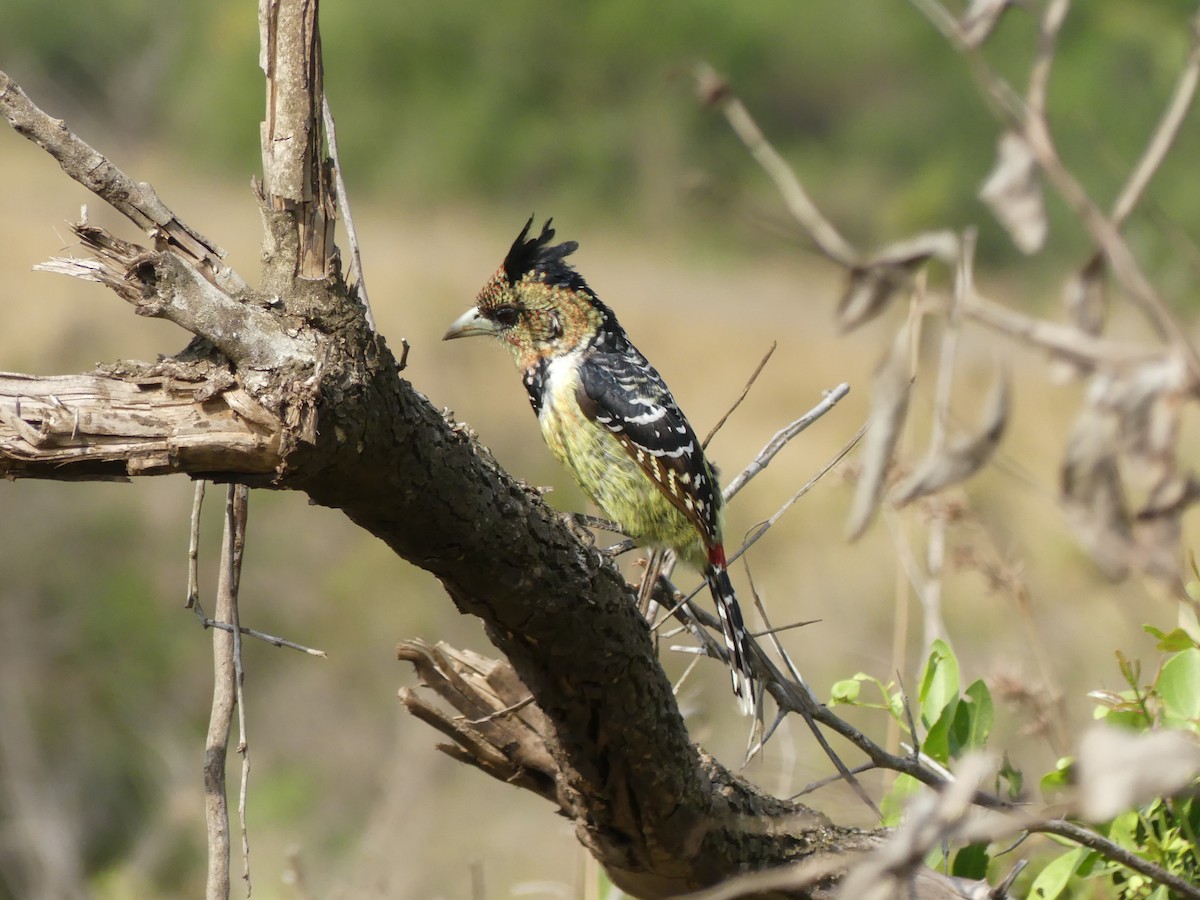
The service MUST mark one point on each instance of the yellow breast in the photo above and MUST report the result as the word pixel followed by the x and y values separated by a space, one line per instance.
pixel 606 472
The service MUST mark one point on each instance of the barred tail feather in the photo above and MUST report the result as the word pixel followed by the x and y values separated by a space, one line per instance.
pixel 737 641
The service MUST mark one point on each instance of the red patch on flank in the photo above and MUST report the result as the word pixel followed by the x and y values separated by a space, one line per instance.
pixel 716 556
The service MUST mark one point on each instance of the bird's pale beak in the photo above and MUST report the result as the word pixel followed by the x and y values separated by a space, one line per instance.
pixel 468 324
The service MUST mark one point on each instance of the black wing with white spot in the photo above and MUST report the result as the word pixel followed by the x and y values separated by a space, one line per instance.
pixel 622 391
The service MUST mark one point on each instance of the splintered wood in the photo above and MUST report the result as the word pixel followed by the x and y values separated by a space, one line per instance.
pixel 98 426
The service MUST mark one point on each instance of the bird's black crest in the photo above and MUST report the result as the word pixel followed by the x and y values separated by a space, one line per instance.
pixel 539 256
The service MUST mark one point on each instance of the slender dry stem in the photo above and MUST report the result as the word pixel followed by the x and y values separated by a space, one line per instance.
pixel 746 390
pixel 824 235
pixel 216 804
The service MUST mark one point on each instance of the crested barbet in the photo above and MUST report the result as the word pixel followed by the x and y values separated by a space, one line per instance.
pixel 609 418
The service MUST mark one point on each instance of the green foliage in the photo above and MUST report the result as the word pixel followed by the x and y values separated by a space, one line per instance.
pixel 1054 878
pixel 1165 830
pixel 951 723
pixel 554 105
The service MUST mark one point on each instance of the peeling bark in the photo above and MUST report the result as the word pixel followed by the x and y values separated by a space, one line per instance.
pixel 98 426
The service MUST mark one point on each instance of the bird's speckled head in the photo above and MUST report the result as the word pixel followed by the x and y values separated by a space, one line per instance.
pixel 536 303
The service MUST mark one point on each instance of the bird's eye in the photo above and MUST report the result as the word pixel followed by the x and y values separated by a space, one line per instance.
pixel 504 316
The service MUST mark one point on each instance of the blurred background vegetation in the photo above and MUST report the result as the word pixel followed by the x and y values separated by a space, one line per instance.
pixel 586 107
pixel 455 121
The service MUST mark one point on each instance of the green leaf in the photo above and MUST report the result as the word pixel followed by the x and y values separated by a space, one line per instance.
pixel 845 691
pixel 1062 777
pixel 1012 776
pixel 893 804
pixel 1179 687
pixel 1133 719
pixel 1170 641
pixel 1052 880
pixel 971 862
pixel 937 739
pixel 974 718
pixel 1131 669
pixel 1123 830
pixel 939 683
pixel 896 704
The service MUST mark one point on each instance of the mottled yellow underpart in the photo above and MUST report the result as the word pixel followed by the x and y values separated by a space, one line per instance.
pixel 609 475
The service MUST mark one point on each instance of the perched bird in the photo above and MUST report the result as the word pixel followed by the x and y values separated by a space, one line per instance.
pixel 609 418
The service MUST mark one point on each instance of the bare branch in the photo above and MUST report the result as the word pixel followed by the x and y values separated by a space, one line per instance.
pixel 162 285
pixel 137 201
pixel 714 91
pixel 1164 135
pixel 1060 340
pixel 219 724
pixel 1031 123
pixel 890 392
pixel 193 578
pixel 742 396
pixel 759 530
pixel 237 510
pixel 100 426
pixel 781 438
pixel 295 178
pixel 355 279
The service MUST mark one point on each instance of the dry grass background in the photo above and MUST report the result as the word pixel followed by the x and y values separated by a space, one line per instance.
pixel 342 781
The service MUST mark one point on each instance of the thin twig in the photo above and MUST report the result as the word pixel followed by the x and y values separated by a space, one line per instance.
pixel 935 548
pixel 825 236
pixel 782 628
pixel 763 527
pixel 206 622
pixel 686 672
pixel 501 713
pixel 193 588
pixel 781 438
pixel 659 562
pixel 238 510
pixel 263 636
pixel 746 390
pixel 217 743
pixel 1039 73
pixel 354 277
pixel 1164 135
pixel 193 581
pixel 905 556
pixel 1015 114
pixel 832 755
pixel 830 779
